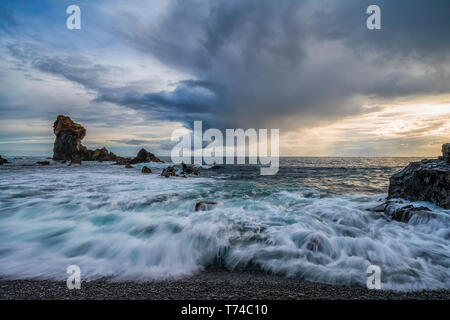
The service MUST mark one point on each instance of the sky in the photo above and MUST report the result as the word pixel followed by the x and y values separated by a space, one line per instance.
pixel 138 70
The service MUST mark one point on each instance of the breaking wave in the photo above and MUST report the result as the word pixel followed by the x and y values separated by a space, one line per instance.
pixel 128 226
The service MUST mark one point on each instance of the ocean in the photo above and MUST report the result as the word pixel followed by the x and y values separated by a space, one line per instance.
pixel 309 222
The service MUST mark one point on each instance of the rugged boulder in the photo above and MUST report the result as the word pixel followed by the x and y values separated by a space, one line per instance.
pixel 400 211
pixel 97 155
pixel 43 163
pixel 204 205
pixel 145 156
pixel 427 180
pixel 168 172
pixel 190 170
pixel 2 161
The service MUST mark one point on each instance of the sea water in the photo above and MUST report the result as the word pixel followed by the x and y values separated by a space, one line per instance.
pixel 309 222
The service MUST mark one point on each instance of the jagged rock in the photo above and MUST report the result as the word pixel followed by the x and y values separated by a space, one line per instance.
pixel 98 155
pixel 427 180
pixel 204 205
pixel 146 170
pixel 68 138
pixel 169 171
pixel 68 145
pixel 144 156
pixel 398 210
pixel 2 161
pixel 190 170
pixel 43 163
pixel 128 166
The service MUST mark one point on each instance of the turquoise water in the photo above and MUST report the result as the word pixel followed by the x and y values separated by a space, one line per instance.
pixel 309 222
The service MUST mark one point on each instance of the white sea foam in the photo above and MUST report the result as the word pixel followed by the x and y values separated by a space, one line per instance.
pixel 116 222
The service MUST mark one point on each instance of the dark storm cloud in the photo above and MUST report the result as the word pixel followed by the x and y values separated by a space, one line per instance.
pixel 265 63
pixel 291 63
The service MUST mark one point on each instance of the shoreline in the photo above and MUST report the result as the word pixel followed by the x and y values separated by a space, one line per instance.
pixel 208 285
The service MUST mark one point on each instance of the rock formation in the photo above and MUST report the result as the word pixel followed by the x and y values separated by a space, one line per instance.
pixel 68 134
pixel 204 205
pixel 168 172
pixel 146 170
pixel 2 161
pixel 400 211
pixel 427 180
pixel 145 156
pixel 190 170
pixel 43 163
pixel 68 145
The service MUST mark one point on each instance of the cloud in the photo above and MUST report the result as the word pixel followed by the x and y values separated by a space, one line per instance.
pixel 289 64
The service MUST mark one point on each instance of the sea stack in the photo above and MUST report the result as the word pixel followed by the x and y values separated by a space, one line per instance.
pixel 68 145
pixel 68 134
pixel 426 180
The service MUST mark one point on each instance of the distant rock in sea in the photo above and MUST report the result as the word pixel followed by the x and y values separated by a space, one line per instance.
pixel 68 145
pixel 2 161
pixel 146 170
pixel 144 156
pixel 427 180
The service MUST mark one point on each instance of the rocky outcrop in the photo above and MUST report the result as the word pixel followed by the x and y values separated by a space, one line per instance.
pixel 190 170
pixel 128 166
pixel 204 205
pixel 427 180
pixel 400 211
pixel 2 161
pixel 68 134
pixel 146 170
pixel 144 156
pixel 169 172
pixel 97 155
pixel 68 146
pixel 43 163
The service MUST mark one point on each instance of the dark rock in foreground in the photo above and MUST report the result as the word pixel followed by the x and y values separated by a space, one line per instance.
pixel 400 211
pixel 427 180
pixel 204 205
pixel 43 163
pixel 2 161
pixel 190 170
